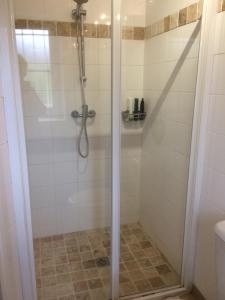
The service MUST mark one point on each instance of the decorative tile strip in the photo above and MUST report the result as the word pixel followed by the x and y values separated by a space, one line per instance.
pixel 55 28
pixel 221 6
pixel 180 18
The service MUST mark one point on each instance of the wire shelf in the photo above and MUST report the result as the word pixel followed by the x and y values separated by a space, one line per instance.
pixel 127 117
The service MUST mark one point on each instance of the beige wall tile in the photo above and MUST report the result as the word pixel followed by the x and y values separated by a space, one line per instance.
pixel 63 28
pixel 34 24
pixel 166 23
pixel 127 33
pixel 192 13
pixel 183 16
pixel 91 30
pixel 200 8
pixel 50 26
pixel 103 31
pixel 160 26
pixel 219 8
pixel 139 33
pixel 223 5
pixel 174 20
pixel 148 32
pixel 154 29
pixel 73 29
pixel 21 24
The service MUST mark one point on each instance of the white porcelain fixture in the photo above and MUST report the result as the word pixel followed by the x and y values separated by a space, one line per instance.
pixel 220 259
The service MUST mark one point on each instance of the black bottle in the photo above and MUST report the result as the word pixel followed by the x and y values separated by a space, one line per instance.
pixel 136 104
pixel 142 109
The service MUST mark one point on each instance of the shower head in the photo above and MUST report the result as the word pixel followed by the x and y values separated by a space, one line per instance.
pixel 80 2
pixel 79 12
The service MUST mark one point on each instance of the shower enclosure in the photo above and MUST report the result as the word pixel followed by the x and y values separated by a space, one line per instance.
pixel 108 186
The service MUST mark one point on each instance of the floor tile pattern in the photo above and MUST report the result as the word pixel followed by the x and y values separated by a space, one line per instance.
pixel 76 266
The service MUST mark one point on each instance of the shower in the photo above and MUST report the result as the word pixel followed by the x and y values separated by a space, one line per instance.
pixel 78 14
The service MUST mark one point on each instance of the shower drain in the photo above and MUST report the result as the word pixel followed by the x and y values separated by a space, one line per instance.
pixel 102 262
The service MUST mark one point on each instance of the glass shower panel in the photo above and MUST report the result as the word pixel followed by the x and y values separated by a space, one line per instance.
pixel 160 49
pixel 70 195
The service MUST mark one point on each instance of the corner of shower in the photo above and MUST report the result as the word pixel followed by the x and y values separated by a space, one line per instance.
pixel 108 217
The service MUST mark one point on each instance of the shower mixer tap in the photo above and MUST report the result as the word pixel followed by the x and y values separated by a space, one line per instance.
pixel 85 113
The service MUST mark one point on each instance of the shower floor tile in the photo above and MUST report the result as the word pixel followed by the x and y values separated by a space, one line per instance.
pixel 77 265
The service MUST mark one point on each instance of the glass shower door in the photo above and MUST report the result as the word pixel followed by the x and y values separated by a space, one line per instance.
pixel 70 195
pixel 160 47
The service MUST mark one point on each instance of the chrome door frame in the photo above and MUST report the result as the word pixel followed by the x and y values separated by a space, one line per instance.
pixel 116 142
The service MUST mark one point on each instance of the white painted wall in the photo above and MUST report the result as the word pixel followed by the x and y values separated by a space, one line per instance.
pixel 69 193
pixel 212 206
pixel 169 90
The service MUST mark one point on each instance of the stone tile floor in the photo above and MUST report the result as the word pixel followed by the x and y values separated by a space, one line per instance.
pixel 76 266
pixel 186 297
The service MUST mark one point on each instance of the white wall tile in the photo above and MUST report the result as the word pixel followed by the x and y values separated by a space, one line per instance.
pixel 218 75
pixel 169 89
pixel 182 41
pixel 66 194
pixel 91 51
pixel 134 77
pixel 64 149
pixel 41 175
pixel 89 169
pixel 93 77
pixel 215 152
pixel 29 9
pixel 36 104
pixel 133 52
pixel 56 10
pixel 219 38
pixel 65 172
pixel 40 151
pixel 68 218
pixel 104 51
pixel 64 77
pixel 62 50
pixel 104 72
pixel 70 187
pixel 63 127
pixel 216 122
pixel 37 128
pixel 42 197
pixel 44 221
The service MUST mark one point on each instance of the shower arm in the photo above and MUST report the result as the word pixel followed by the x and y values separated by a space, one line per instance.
pixel 85 113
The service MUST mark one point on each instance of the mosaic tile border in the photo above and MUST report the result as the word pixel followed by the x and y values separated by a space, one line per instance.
pixel 69 29
pixel 180 18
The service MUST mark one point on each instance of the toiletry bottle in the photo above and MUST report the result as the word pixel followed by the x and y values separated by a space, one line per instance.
pixel 142 109
pixel 131 105
pixel 136 110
